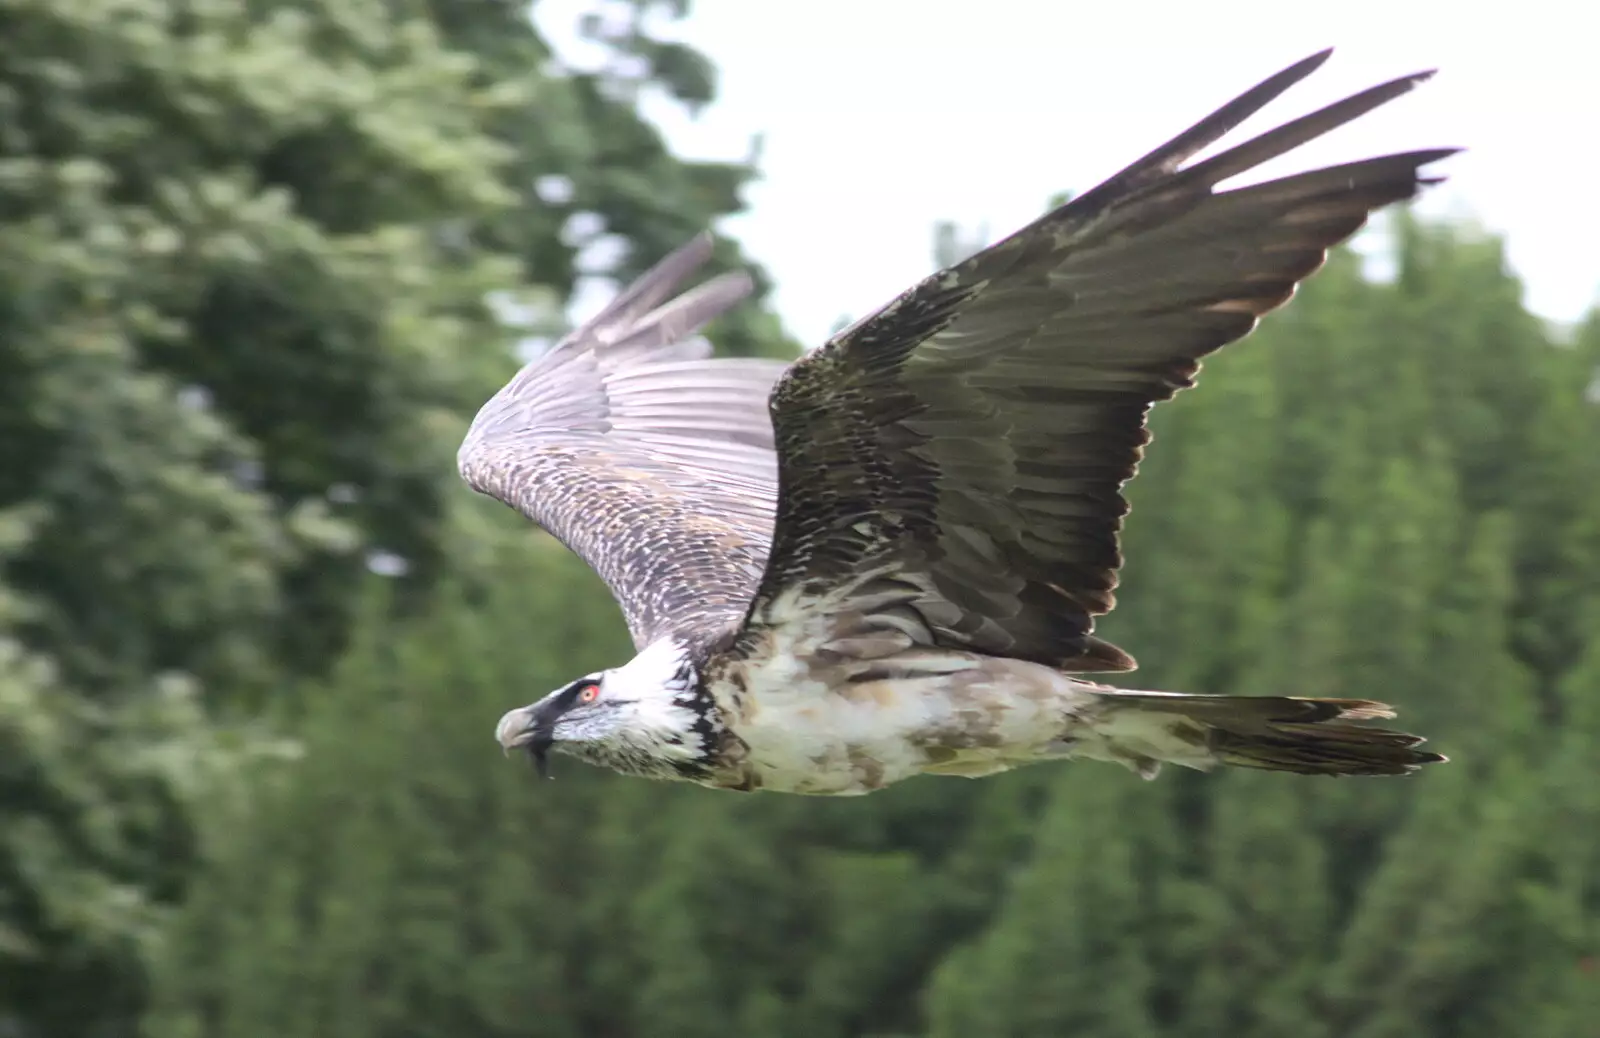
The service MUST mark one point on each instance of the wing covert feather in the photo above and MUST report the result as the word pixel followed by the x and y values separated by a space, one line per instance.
pixel 650 460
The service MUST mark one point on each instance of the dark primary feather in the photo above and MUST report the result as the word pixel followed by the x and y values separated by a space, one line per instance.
pixel 967 444
pixel 650 461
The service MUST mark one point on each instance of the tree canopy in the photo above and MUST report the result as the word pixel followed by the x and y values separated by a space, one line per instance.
pixel 262 263
pixel 251 252
pixel 1387 491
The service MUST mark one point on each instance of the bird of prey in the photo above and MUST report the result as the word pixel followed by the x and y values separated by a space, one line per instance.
pixel 885 559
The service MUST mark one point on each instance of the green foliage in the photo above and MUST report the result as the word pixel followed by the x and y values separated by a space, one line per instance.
pixel 352 911
pixel 222 301
pixel 96 839
pixel 242 320
pixel 1320 519
pixel 443 889
pixel 247 256
pixel 1352 506
pixel 244 314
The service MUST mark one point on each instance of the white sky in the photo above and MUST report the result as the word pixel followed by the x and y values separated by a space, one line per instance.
pixel 882 116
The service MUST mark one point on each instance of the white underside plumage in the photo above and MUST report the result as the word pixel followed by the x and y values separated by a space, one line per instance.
pixel 810 729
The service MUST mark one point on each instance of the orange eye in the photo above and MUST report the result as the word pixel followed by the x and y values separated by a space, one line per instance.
pixel 589 694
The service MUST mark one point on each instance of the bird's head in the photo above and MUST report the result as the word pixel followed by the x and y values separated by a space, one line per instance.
pixel 649 718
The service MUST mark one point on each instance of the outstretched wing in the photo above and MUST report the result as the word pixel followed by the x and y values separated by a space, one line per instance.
pixel 953 464
pixel 650 461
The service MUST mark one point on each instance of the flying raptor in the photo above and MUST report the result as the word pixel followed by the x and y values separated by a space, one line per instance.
pixel 885 559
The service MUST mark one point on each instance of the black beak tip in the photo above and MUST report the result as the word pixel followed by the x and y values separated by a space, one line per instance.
pixel 539 750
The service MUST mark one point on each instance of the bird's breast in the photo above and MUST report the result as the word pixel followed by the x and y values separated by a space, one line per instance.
pixel 830 726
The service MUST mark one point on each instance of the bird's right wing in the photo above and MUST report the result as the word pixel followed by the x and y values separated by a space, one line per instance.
pixel 951 467
pixel 648 459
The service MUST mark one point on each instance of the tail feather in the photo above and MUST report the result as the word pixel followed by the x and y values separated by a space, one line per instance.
pixel 1324 749
pixel 1282 733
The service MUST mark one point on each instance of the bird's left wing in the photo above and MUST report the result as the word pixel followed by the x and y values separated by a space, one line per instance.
pixel 648 459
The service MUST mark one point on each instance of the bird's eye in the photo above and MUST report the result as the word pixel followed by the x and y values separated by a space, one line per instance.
pixel 589 693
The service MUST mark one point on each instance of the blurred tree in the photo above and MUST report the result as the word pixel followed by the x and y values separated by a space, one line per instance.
pixel 270 287
pixel 1315 521
pixel 1069 950
pixel 358 888
pixel 598 192
pixel 405 879
pixel 1365 500
pixel 244 313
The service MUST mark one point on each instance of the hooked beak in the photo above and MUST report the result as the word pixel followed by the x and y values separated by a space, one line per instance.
pixel 531 727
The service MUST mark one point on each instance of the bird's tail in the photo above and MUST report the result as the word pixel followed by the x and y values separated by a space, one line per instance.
pixel 1274 733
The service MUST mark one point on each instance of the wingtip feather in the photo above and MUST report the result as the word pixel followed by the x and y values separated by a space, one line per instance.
pixel 652 288
pixel 1311 63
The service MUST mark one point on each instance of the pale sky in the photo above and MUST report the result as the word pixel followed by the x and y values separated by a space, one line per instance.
pixel 881 117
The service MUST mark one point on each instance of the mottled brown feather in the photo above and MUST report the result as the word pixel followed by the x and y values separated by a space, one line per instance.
pixel 969 441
